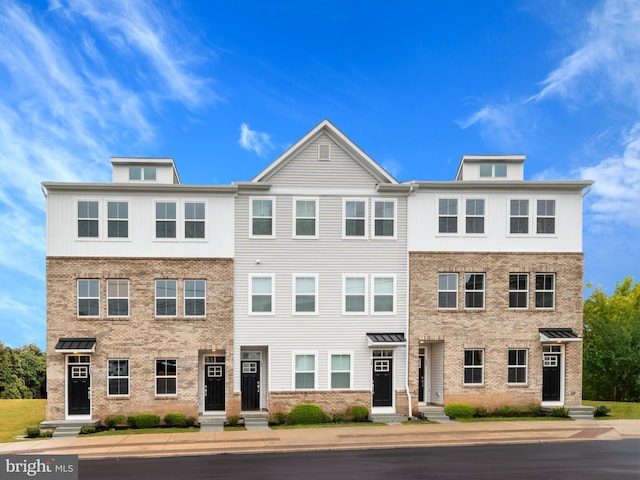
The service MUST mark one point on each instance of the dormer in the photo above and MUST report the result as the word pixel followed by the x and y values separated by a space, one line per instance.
pixel 144 170
pixel 491 167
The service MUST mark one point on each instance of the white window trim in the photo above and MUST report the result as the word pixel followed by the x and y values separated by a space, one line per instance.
pixel 484 291
pixel 184 297
pixel 294 353
pixel 100 229
pixel 184 221
pixel 465 367
pixel 529 217
pixel 156 298
pixel 295 293
pixel 458 215
pixel 484 216
pixel 320 159
pixel 156 376
pixel 525 366
pixel 128 377
pixel 273 295
pixel 78 298
pixel 374 218
pixel 365 218
pixel 128 297
pixel 273 217
pixel 316 218
pixel 330 371
pixel 373 293
pixel 526 307
pixel 178 220
pixel 555 217
pixel 107 201
pixel 555 290
pixel 457 291
pixel 344 293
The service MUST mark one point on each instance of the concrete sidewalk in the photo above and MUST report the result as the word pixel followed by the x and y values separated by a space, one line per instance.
pixel 338 438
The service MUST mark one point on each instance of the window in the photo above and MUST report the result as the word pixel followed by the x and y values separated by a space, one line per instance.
pixel 448 290
pixel 88 298
pixel 500 170
pixel 447 215
pixel 355 294
pixel 117 298
pixel 142 173
pixel 517 369
pixel 475 215
pixel 194 220
pixel 545 290
pixel 489 170
pixel 165 220
pixel 518 290
pixel 306 218
pixel 194 298
pixel 262 217
pixel 166 298
pixel 355 213
pixel 519 216
pixel 486 170
pixel 324 151
pixel 118 377
pixel 473 367
pixel 340 371
pixel 305 371
pixel 546 216
pixel 117 219
pixel 87 219
pixel 384 218
pixel 305 289
pixel 474 290
pixel 166 377
pixel 383 294
pixel 261 294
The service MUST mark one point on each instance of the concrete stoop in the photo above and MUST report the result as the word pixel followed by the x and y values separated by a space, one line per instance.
pixel 580 412
pixel 211 423
pixel 387 417
pixel 256 421
pixel 68 428
pixel 434 414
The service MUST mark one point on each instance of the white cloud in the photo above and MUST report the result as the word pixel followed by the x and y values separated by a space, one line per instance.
pixel 256 141
pixel 499 123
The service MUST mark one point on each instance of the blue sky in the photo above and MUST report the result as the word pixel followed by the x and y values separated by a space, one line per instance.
pixel 225 86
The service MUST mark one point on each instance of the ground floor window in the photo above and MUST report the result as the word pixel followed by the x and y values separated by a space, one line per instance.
pixel 341 371
pixel 305 371
pixel 166 377
pixel 118 377
pixel 473 366
pixel 517 369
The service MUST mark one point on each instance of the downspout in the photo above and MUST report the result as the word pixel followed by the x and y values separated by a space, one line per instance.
pixel 406 376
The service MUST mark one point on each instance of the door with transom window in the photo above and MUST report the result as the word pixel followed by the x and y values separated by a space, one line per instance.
pixel 78 385
pixel 214 384
pixel 382 378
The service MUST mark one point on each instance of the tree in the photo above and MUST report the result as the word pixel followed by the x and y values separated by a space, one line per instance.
pixel 22 372
pixel 612 343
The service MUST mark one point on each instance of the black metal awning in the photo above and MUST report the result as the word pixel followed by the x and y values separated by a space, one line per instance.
pixel 558 335
pixel 80 345
pixel 386 339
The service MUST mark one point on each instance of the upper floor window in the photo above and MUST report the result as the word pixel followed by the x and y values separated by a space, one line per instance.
pixel 118 298
pixel 324 151
pixel 517 369
pixel 355 218
pixel 474 290
pixel 118 377
pixel 87 219
pixel 518 290
pixel 519 216
pixel 305 289
pixel 306 218
pixel 546 216
pixel 447 215
pixel 448 290
pixel 305 371
pixel 89 298
pixel 194 220
pixel 384 218
pixel 500 170
pixel 475 215
pixel 194 298
pixel 545 290
pixel 166 298
pixel 340 371
pixel 383 294
pixel 473 366
pixel 117 219
pixel 167 376
pixel 261 294
pixel 355 294
pixel 142 173
pixel 165 220
pixel 262 217
pixel 490 170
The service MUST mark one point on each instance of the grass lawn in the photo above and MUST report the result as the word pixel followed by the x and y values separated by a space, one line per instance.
pixel 141 431
pixel 510 419
pixel 328 425
pixel 618 409
pixel 17 415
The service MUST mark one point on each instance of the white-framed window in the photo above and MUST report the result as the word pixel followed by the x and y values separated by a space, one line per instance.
pixel 304 370
pixel 166 219
pixel 383 293
pixel 118 219
pixel 195 293
pixel 519 216
pixel 324 151
pixel 166 376
pixel 194 220
pixel 142 173
pixel 489 170
pixel 384 218
pixel 474 215
pixel 305 288
pixel 517 366
pixel 166 298
pixel 518 290
pixel 447 215
pixel 545 290
pixel 88 219
pixel 355 218
pixel 340 370
pixel 262 217
pixel 473 366
pixel 448 291
pixel 305 221
pixel 500 170
pixel 117 298
pixel 261 294
pixel 88 297
pixel 474 290
pixel 355 294
pixel 486 170
pixel 546 216
pixel 117 377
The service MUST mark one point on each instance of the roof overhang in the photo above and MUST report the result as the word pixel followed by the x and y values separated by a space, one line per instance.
pixel 76 345
pixel 171 188
pixel 386 339
pixel 524 185
pixel 558 335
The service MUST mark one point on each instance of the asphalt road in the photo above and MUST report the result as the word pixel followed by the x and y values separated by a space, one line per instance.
pixel 610 460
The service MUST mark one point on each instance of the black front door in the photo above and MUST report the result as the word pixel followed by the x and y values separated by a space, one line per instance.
pixel 214 387
pixel 250 385
pixel 78 382
pixel 551 378
pixel 382 382
pixel 421 379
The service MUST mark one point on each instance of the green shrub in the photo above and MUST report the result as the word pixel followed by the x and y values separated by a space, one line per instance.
pixel 191 421
pixel 534 410
pixel 459 410
pixel 175 419
pixel 504 411
pixel 33 432
pixel 481 412
pixel 113 420
pixel 46 433
pixel 559 412
pixel 87 429
pixel 601 411
pixel 281 418
pixel 359 413
pixel 307 414
pixel 340 417
pixel 233 421
pixel 144 420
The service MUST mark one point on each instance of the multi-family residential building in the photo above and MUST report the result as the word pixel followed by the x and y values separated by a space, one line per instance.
pixel 321 280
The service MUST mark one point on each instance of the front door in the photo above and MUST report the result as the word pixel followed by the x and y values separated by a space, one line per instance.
pixel 551 377
pixel 382 382
pixel 213 387
pixel 250 384
pixel 421 379
pixel 79 389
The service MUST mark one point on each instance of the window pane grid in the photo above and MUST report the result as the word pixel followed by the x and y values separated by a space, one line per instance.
pixel 517 367
pixel 355 212
pixel 447 215
pixel 194 298
pixel 473 366
pixel 545 290
pixel 88 298
pixel 546 212
pixel 518 290
pixel 355 294
pixel 305 371
pixel 165 220
pixel 87 219
pixel 384 219
pixel 118 377
pixel 341 371
pixel 475 216
pixel 448 290
pixel 262 217
pixel 261 294
pixel 166 377
pixel 474 290
pixel 383 293
pixel 194 220
pixel 117 298
pixel 166 298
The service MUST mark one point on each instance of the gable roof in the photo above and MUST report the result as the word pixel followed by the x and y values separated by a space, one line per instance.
pixel 329 129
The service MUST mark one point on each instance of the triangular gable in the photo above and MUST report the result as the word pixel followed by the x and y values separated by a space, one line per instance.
pixel 327 128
